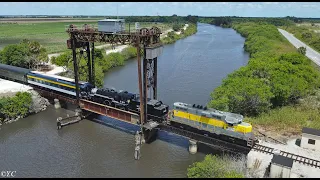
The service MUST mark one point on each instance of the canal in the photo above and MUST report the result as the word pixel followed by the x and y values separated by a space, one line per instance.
pixel 188 71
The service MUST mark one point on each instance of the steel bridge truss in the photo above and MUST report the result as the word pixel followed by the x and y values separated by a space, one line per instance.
pixel 147 42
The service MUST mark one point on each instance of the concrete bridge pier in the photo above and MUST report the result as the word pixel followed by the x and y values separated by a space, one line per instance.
pixel 193 146
pixel 138 141
pixel 57 104
pixel 137 153
pixel 78 113
pixel 59 126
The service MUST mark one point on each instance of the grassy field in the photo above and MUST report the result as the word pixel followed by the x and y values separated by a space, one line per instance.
pixel 51 35
pixel 315 27
pixel 307 33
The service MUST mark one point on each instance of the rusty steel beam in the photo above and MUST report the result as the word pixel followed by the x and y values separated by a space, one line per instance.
pixel 75 67
pixel 87 34
pixel 92 68
pixel 142 120
pixel 145 85
pixel 109 111
pixel 89 63
pixel 155 77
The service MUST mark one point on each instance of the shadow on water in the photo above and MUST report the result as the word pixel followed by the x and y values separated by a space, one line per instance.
pixel 164 136
pixel 161 135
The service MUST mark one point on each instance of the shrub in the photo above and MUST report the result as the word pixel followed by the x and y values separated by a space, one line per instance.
pixel 276 74
pixel 214 167
pixel 18 105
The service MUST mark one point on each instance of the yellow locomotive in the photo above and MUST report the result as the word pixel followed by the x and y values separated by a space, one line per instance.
pixel 211 122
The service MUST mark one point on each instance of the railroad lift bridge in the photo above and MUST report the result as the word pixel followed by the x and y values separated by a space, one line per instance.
pixel 148 45
pixel 147 42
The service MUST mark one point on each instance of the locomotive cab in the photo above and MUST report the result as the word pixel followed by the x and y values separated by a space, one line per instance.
pixel 157 108
pixel 85 90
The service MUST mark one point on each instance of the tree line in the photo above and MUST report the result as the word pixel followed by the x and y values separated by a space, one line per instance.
pixel 26 54
pixel 228 21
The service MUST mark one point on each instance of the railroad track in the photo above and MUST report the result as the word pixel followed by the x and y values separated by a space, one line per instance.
pixel 294 157
pixel 264 149
pixel 301 159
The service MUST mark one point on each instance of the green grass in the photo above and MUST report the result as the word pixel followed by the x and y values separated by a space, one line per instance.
pixel 51 35
pixel 298 29
pixel 291 119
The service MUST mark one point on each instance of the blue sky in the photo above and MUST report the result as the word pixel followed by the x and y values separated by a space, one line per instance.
pixel 249 9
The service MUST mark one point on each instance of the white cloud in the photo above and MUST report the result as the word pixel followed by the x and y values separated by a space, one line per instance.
pixel 309 5
pixel 175 3
pixel 270 3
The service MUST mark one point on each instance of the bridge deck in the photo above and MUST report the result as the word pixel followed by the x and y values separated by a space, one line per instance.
pixel 109 111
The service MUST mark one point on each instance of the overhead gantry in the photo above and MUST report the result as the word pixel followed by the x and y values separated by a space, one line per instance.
pixel 147 42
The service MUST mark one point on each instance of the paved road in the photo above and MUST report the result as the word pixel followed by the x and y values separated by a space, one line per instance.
pixel 311 54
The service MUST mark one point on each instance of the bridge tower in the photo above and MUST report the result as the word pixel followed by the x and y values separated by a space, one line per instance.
pixel 147 42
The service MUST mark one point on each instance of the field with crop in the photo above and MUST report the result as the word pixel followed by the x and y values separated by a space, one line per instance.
pixel 51 33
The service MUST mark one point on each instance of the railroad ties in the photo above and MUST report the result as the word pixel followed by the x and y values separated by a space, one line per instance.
pixel 263 149
pixel 294 157
pixel 301 159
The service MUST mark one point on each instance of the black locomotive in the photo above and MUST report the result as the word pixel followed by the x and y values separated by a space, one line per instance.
pixel 124 100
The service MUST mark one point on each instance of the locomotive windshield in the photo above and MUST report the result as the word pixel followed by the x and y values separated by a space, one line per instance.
pixel 157 104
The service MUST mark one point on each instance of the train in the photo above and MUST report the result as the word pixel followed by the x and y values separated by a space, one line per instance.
pixel 207 121
pixel 211 122
pixel 124 100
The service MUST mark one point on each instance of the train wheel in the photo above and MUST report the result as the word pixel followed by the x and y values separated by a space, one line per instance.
pixel 106 102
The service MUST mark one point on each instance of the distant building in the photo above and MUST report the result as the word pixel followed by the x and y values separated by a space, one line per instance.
pixel 310 138
pixel 137 25
pixel 111 25
pixel 280 166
